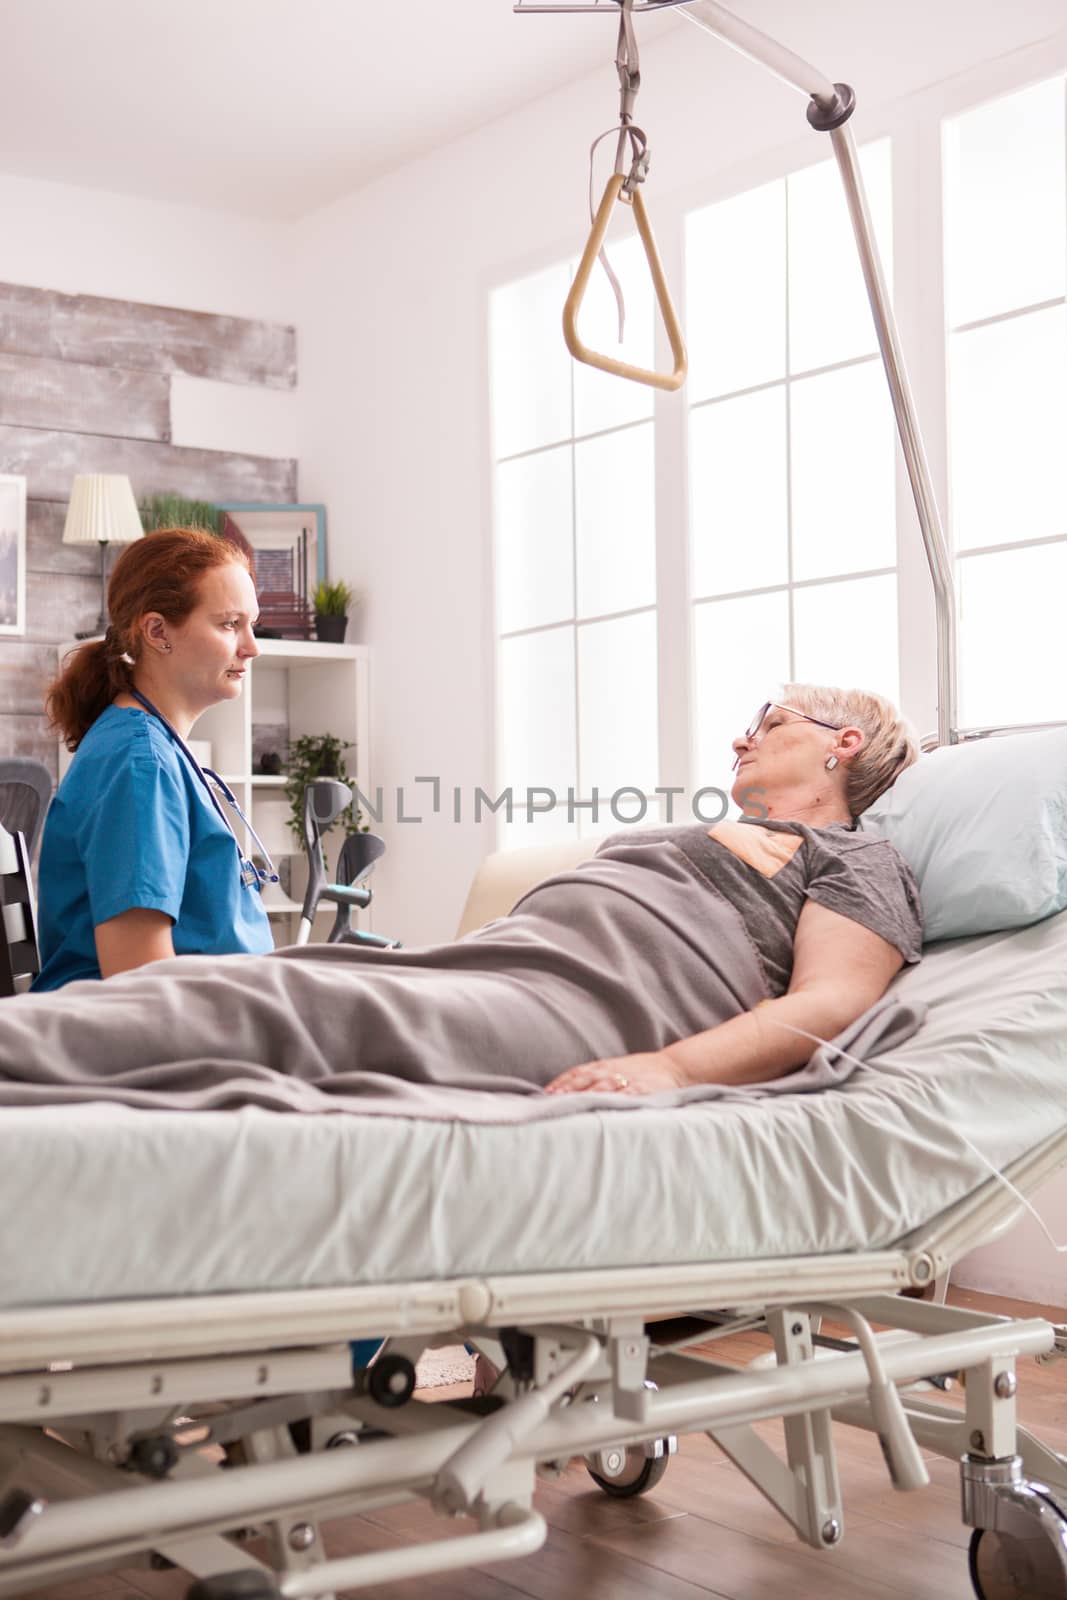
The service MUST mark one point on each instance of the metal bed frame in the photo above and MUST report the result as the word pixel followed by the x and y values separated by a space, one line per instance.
pixel 599 1364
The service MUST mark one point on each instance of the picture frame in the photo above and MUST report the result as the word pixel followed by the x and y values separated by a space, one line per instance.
pixel 12 555
pixel 268 527
pixel 288 544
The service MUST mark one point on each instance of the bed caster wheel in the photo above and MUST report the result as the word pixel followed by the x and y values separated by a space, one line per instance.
pixel 390 1381
pixel 625 1473
pixel 153 1458
pixel 1005 1566
pixel 242 1585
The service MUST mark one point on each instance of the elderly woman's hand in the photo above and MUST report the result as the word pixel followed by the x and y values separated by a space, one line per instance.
pixel 649 1072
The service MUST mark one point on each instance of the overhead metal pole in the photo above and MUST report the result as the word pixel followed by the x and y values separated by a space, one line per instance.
pixel 831 106
pixel 829 109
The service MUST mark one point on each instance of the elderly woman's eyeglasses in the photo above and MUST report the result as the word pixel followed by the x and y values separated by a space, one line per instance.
pixel 754 727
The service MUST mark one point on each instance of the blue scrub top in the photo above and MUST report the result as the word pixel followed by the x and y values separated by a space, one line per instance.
pixel 133 825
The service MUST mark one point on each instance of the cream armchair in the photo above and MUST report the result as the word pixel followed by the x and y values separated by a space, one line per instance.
pixel 507 874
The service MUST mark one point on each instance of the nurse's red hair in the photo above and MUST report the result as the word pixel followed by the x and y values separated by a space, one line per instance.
pixel 161 572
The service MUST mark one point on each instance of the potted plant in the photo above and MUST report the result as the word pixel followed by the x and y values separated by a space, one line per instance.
pixel 331 602
pixel 175 511
pixel 318 755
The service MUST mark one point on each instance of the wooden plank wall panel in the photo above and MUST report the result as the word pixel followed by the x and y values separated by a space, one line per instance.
pixel 61 604
pixel 85 387
pixel 69 394
pixel 30 736
pixel 27 669
pixel 49 461
pixel 121 333
pixel 45 550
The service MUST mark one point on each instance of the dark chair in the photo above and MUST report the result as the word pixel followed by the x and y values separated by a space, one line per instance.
pixel 19 960
pixel 25 790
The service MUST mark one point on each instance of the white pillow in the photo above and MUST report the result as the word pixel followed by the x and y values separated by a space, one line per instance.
pixel 984 828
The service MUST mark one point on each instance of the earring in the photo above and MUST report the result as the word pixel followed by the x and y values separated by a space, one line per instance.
pixel 165 645
pixel 831 763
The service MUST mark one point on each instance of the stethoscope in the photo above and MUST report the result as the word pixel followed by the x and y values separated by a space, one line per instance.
pixel 252 877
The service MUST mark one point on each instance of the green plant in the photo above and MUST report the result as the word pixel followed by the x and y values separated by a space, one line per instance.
pixel 332 599
pixel 174 511
pixel 318 755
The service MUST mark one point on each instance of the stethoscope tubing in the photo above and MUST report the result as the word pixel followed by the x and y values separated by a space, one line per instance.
pixel 211 781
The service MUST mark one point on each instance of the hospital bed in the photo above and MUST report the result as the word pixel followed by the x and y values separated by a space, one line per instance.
pixel 180 1293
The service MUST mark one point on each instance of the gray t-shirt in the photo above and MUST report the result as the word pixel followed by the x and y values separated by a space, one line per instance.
pixel 768 869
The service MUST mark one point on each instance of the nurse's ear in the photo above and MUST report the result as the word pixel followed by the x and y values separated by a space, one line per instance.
pixel 153 630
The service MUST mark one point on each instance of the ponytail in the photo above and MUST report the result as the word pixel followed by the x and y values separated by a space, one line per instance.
pixel 89 679
pixel 160 572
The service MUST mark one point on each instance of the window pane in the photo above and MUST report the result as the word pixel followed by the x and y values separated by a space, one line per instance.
pixel 617 705
pixel 741 658
pixel 536 711
pixel 1011 636
pixel 735 292
pixel 1005 206
pixel 601 401
pixel 529 364
pixel 536 827
pixel 616 522
pixel 1008 421
pixel 829 317
pixel 843 464
pixel 845 635
pixel 630 814
pixel 739 523
pixel 534 552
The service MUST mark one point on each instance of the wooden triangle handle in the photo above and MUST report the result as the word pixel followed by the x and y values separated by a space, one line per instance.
pixel 580 352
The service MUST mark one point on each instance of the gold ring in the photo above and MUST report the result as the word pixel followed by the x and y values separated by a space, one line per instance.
pixel 621 1082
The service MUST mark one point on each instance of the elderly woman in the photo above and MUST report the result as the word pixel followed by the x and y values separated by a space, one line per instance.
pixel 673 957
pixel 833 914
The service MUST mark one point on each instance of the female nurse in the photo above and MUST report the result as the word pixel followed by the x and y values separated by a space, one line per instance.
pixel 139 859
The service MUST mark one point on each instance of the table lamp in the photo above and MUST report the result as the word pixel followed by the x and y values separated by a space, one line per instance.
pixel 102 511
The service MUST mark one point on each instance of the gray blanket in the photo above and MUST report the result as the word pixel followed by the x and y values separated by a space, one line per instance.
pixel 599 962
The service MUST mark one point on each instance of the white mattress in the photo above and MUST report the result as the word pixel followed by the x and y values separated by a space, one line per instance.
pixel 103 1202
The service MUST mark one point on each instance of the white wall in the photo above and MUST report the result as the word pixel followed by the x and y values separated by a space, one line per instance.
pixel 1023 1263
pixel 89 241
pixel 393 353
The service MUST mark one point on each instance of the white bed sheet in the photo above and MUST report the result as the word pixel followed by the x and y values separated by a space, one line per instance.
pixel 102 1202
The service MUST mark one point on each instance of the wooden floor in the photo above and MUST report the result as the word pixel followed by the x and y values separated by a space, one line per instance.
pixel 703 1532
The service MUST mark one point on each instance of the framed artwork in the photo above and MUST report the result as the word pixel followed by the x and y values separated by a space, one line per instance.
pixel 12 554
pixel 288 546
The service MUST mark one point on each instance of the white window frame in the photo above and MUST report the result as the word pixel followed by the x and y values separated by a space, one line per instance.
pixel 914 125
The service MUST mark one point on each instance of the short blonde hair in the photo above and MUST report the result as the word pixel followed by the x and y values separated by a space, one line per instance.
pixel 891 743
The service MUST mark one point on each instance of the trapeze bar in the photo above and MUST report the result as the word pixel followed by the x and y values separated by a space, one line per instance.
pixel 830 109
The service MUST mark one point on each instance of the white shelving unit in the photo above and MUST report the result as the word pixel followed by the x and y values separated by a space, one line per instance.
pixel 307 688
pixel 310 688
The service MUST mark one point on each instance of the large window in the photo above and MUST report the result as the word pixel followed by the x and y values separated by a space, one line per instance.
pixel 791 453
pixel 575 557
pixel 781 551
pixel 1005 286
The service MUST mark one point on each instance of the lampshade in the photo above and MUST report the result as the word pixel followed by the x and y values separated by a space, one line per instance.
pixel 102 510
